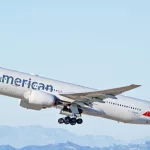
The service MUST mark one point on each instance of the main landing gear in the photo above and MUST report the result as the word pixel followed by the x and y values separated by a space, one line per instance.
pixel 68 120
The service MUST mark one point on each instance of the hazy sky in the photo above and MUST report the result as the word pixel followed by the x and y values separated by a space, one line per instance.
pixel 99 44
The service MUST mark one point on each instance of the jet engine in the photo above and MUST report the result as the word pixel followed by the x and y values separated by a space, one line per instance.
pixel 26 104
pixel 40 98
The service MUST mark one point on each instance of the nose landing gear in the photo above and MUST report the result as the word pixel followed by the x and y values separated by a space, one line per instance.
pixel 71 121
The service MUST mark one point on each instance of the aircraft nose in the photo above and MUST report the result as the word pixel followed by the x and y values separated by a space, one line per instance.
pixel 147 114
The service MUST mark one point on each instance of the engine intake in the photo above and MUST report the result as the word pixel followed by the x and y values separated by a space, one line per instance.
pixel 40 98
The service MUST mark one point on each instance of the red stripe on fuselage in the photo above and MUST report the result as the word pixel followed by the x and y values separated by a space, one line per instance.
pixel 147 114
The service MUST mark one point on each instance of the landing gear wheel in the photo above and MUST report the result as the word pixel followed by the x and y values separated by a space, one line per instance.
pixel 61 121
pixel 67 120
pixel 72 121
pixel 79 121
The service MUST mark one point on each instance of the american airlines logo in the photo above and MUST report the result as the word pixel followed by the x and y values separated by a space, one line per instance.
pixel 25 83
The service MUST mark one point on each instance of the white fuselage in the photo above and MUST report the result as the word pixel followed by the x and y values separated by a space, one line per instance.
pixel 122 109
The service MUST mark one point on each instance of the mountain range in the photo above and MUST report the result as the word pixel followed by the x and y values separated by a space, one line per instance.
pixel 19 137
pixel 36 135
pixel 72 146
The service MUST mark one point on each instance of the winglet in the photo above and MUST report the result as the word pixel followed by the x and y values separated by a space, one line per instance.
pixel 135 85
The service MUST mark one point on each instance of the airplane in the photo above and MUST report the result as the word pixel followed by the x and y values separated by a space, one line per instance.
pixel 37 93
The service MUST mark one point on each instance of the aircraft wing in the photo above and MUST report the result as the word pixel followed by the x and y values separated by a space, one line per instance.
pixel 99 95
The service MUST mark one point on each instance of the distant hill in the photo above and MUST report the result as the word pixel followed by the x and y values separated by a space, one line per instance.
pixel 19 137
pixel 72 146
pixel 35 135
pixel 63 146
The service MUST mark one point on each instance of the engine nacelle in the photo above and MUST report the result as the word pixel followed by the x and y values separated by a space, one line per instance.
pixel 26 104
pixel 40 98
